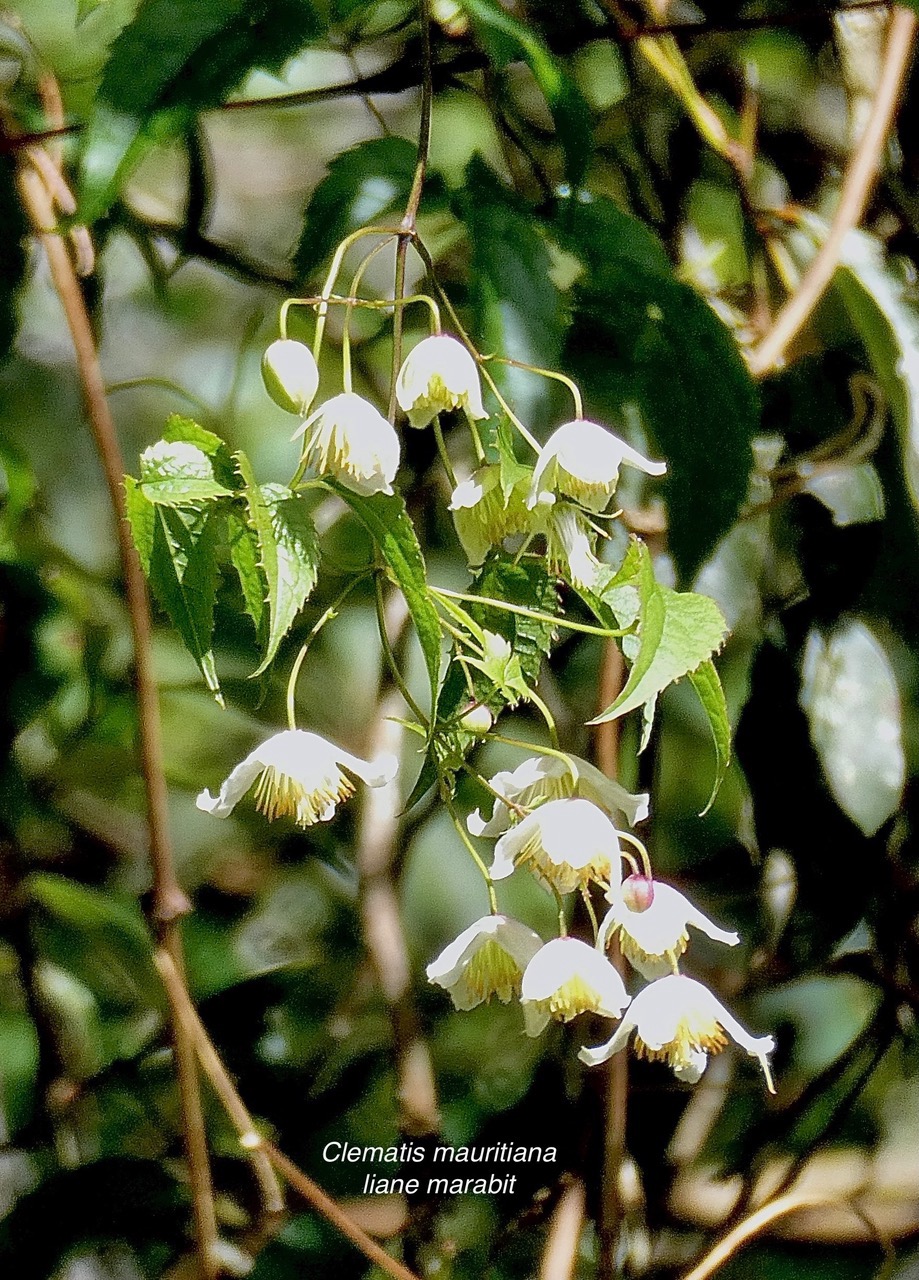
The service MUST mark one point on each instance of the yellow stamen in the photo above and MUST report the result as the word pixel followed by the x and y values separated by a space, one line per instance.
pixel 492 972
pixel 693 1032
pixel 638 956
pixel 279 795
pixel 572 997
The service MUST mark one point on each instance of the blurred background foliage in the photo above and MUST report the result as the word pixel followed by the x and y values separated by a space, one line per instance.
pixel 577 218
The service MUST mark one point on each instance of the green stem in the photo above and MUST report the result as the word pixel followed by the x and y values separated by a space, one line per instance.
pixel 475 855
pixel 585 894
pixel 519 809
pixel 391 657
pixel 547 373
pixel 642 851
pixel 583 627
pixel 442 450
pixel 329 614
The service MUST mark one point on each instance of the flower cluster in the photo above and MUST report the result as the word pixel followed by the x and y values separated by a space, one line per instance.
pixel 554 818
pixel 348 440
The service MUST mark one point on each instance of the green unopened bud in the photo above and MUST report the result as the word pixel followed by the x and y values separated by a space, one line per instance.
pixel 290 375
pixel 477 720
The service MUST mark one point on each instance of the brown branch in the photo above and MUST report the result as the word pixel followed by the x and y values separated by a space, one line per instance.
pixel 756 1223
pixel 381 916
pixel 260 1150
pixel 861 175
pixel 170 902
pixel 560 1256
pixel 606 744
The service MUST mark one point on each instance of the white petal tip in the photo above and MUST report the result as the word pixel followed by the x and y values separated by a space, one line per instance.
pixel 383 769
pixel 211 804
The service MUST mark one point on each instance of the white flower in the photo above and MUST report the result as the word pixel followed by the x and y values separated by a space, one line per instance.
pixel 550 778
pixel 582 460
pixel 570 539
pixel 346 437
pixel 487 959
pixel 299 776
pixel 568 843
pixel 567 977
pixel 291 375
pixel 653 938
pixel 485 514
pixel 438 374
pixel 679 1021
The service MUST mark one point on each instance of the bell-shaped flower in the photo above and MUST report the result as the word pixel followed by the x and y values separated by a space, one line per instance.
pixel 347 438
pixel 581 460
pixel 439 374
pixel 570 541
pixel 679 1021
pixel 652 920
pixel 542 778
pixel 567 977
pixel 567 843
pixel 485 512
pixel 297 775
pixel 487 959
pixel 291 375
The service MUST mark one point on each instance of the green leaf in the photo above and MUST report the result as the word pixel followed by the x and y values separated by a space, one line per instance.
pixel 650 621
pixel 530 586
pixel 386 519
pixel 644 344
pixel 188 431
pixel 883 306
pixel 707 684
pixel 176 58
pixel 361 186
pixel 677 631
pixel 183 576
pixel 505 39
pixel 244 555
pixel 850 695
pixel 12 254
pixel 518 310
pixel 288 552
pixel 174 473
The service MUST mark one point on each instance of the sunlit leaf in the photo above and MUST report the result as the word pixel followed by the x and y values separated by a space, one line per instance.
pixel 386 519
pixel 174 59
pixel 706 682
pixel 288 554
pixel 852 703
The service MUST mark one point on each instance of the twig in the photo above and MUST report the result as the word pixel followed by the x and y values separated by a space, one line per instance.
pixel 612 675
pixel 169 900
pixel 414 200
pixel 861 175
pixel 560 1256
pixel 249 1137
pixel 252 1140
pixel 381 917
pixel 756 1223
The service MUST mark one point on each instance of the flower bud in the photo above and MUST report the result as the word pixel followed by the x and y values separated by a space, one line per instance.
pixel 478 720
pixel 638 892
pixel 290 374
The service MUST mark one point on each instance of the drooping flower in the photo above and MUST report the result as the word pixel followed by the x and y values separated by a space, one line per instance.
pixel 679 1021
pixel 485 513
pixel 570 541
pixel 346 437
pixel 439 374
pixel 542 778
pixel 654 936
pixel 567 977
pixel 297 775
pixel 581 460
pixel 291 375
pixel 566 842
pixel 487 959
